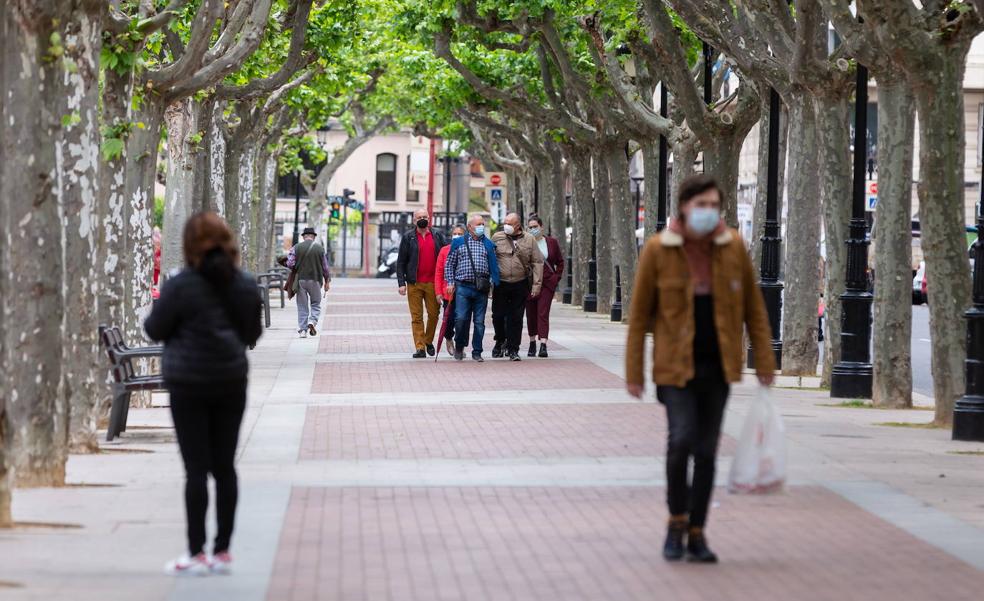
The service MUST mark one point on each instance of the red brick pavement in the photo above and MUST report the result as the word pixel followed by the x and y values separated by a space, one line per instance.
pixel 392 321
pixel 351 343
pixel 484 431
pixel 445 374
pixel 363 307
pixel 596 544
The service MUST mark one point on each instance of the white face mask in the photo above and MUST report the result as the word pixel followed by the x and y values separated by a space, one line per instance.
pixel 510 230
pixel 702 220
pixel 534 231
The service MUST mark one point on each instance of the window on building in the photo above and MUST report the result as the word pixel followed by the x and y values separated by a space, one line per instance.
pixel 412 195
pixel 386 176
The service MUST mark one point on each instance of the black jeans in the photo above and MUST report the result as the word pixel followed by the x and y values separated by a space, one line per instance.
pixel 450 319
pixel 508 307
pixel 207 419
pixel 694 413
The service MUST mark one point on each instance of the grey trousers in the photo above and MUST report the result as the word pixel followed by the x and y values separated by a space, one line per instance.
pixel 308 303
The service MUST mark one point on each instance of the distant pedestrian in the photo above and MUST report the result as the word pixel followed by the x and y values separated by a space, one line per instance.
pixel 696 291
pixel 441 286
pixel 538 309
pixel 206 316
pixel 471 271
pixel 308 258
pixel 415 267
pixel 521 275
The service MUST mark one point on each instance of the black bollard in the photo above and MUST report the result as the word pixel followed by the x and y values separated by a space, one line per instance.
pixel 968 413
pixel 617 305
pixel 591 297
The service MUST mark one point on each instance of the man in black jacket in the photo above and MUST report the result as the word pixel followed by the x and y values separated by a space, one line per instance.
pixel 415 266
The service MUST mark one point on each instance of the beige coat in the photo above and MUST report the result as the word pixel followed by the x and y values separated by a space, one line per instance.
pixel 663 303
pixel 518 259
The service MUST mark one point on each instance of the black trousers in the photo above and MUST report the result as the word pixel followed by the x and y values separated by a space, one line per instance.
pixel 449 310
pixel 694 413
pixel 508 307
pixel 207 421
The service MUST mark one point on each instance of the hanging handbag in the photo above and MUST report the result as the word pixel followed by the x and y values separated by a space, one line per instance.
pixel 289 284
pixel 482 283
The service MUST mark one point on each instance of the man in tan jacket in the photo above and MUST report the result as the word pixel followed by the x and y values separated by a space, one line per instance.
pixel 521 276
pixel 696 291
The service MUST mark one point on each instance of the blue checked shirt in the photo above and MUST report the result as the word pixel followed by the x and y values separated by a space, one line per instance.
pixel 459 269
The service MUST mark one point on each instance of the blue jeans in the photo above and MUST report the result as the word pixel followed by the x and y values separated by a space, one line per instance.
pixel 469 304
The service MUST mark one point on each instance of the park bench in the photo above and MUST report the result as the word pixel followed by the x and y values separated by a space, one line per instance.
pixel 125 377
pixel 266 281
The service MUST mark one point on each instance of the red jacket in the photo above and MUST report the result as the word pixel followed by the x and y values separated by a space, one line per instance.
pixel 553 264
pixel 440 286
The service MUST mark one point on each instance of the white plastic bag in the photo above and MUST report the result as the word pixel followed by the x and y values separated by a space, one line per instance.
pixel 759 465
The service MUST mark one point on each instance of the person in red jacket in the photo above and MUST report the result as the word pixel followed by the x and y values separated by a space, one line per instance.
pixel 538 308
pixel 441 287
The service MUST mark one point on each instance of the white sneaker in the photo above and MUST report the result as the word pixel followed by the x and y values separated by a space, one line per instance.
pixel 221 563
pixel 189 566
pixel 302 333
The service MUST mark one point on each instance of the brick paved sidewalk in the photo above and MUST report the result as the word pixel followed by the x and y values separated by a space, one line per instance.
pixel 368 475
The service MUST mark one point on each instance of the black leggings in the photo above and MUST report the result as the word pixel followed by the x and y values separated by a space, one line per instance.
pixel 207 420
pixel 694 413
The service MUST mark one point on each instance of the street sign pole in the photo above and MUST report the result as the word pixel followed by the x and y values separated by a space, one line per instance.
pixel 344 236
pixel 365 228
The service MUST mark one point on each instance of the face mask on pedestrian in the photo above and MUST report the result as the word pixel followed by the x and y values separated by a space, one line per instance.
pixel 535 232
pixel 479 230
pixel 510 230
pixel 421 223
pixel 703 220
pixel 456 236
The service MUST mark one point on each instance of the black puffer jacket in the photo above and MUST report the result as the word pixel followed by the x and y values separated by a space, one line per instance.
pixel 205 331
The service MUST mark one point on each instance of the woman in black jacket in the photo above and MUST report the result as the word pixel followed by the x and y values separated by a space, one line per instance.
pixel 206 316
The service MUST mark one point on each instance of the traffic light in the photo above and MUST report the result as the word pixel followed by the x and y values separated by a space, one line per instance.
pixel 347 196
pixel 335 207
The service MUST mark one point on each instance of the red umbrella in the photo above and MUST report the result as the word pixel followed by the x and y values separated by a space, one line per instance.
pixel 444 327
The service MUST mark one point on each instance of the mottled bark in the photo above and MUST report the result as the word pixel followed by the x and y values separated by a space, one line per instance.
pixel 216 165
pixel 580 161
pixel 37 415
pixel 939 100
pixel 834 138
pixel 200 161
pixel 802 257
pixel 77 163
pixel 5 383
pixel 721 160
pixel 267 183
pixel 181 119
pixel 684 156
pixel 604 251
pixel 557 222
pixel 624 217
pixel 892 330
pixel 112 209
pixel 762 184
pixel 651 175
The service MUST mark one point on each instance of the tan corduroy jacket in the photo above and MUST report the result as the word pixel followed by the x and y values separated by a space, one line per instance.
pixel 519 258
pixel 663 303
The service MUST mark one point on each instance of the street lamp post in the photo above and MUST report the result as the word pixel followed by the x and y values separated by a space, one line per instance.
pixel 968 413
pixel 567 294
pixel 447 192
pixel 772 238
pixel 851 376
pixel 591 296
pixel 297 208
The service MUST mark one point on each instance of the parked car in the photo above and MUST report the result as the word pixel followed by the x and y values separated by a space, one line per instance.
pixel 387 263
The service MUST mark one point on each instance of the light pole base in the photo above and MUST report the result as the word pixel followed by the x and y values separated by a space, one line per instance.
pixel 590 303
pixel 776 350
pixel 968 419
pixel 851 380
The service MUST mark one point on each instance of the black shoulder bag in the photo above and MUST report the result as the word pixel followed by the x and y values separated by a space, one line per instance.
pixel 482 283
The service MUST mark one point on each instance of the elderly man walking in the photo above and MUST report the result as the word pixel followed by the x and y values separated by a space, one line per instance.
pixel 309 261
pixel 470 271
pixel 415 267
pixel 521 275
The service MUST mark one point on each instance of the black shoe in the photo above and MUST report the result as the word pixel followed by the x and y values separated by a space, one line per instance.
pixel 458 356
pixel 543 349
pixel 697 549
pixel 673 547
pixel 312 330
pixel 514 356
pixel 497 350
pixel 420 354
pixel 478 358
pixel 430 350
pixel 532 352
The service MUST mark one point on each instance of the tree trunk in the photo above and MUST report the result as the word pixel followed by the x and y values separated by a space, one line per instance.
pixel 651 175
pixel 762 184
pixel 77 161
pixel 36 411
pixel 721 158
pixel 527 188
pixel 624 218
pixel 834 138
pixel 799 326
pixel 892 331
pixel 216 164
pixel 581 222
pixel 267 175
pixel 939 99
pixel 256 208
pixel 239 187
pixel 182 154
pixel 112 207
pixel 604 259
pixel 201 161
pixel 557 222
pixel 5 388
pixel 684 155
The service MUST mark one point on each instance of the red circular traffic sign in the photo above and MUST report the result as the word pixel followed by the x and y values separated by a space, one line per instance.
pixel 495 179
pixel 873 188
